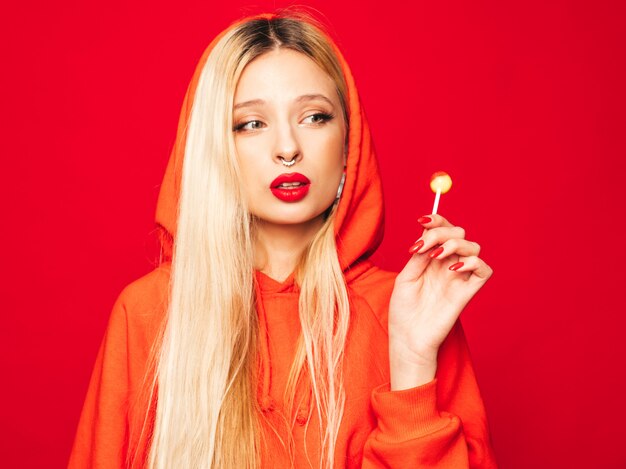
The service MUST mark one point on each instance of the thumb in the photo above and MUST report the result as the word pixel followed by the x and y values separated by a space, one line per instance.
pixel 417 263
pixel 415 267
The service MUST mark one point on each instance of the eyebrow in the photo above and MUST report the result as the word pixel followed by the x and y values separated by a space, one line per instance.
pixel 299 99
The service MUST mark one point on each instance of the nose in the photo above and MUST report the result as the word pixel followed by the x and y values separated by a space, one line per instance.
pixel 287 148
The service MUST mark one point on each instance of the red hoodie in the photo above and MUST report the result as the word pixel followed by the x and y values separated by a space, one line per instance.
pixel 438 424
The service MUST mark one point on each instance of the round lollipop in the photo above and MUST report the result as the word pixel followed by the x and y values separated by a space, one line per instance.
pixel 440 183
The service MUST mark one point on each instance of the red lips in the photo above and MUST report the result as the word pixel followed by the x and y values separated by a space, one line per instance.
pixel 290 187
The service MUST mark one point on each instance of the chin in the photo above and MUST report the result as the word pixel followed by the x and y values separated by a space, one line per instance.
pixel 299 219
pixel 272 210
pixel 293 214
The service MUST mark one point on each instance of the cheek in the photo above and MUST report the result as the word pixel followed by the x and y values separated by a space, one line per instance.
pixel 328 149
pixel 329 167
pixel 333 151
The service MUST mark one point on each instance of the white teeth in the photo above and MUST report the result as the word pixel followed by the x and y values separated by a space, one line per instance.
pixel 290 184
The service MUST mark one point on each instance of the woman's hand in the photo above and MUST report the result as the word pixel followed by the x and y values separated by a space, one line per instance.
pixel 443 274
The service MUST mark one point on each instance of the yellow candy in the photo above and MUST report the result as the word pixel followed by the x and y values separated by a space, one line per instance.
pixel 440 182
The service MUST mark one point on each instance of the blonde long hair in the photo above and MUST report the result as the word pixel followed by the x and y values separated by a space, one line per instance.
pixel 207 415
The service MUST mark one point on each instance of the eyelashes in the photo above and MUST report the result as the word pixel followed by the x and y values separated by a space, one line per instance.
pixel 319 118
pixel 243 125
pixel 322 116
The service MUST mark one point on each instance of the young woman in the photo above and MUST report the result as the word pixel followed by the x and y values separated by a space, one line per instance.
pixel 269 339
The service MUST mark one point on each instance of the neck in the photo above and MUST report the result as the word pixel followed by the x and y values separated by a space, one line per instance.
pixel 279 247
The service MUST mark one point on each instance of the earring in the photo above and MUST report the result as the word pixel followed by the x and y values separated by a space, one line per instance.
pixel 340 189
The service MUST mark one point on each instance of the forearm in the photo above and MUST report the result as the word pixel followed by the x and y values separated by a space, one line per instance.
pixel 440 423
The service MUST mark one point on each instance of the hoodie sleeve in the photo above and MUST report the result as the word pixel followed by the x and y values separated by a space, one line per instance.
pixel 102 434
pixel 438 424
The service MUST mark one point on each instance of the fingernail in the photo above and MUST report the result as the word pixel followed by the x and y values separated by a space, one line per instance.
pixel 436 252
pixel 416 247
pixel 423 220
pixel 456 266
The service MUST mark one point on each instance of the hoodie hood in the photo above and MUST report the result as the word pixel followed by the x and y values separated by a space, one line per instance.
pixel 359 218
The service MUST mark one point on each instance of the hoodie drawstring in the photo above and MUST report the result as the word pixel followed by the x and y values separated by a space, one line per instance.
pixel 305 406
pixel 266 402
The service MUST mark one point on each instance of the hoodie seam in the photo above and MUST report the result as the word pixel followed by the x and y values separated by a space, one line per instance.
pixel 369 306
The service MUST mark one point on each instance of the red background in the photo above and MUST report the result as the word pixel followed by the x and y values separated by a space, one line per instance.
pixel 522 102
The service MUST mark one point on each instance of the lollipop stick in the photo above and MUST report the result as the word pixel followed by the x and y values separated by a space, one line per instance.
pixel 436 205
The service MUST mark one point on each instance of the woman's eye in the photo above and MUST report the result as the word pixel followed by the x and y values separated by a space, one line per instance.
pixel 249 125
pixel 318 118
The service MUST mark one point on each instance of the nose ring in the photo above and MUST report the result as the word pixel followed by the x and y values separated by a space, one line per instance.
pixel 287 163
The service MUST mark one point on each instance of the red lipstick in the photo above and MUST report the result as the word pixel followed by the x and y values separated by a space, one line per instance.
pixel 290 187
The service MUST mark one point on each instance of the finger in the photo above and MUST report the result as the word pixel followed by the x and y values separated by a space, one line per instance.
pixel 436 236
pixel 433 220
pixel 475 265
pixel 461 247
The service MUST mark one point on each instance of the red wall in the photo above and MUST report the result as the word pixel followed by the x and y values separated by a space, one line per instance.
pixel 522 102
